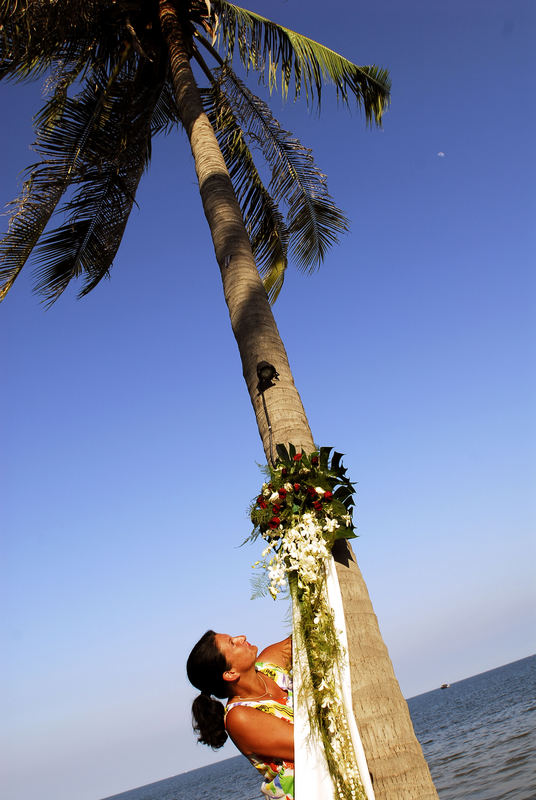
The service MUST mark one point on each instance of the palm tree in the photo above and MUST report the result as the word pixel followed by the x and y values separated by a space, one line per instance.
pixel 119 73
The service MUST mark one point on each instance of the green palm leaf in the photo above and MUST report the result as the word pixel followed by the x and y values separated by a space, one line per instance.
pixel 34 35
pixel 266 228
pixel 34 207
pixel 100 143
pixel 61 148
pixel 45 185
pixel 165 115
pixel 279 53
pixel 313 220
pixel 112 163
pixel 273 280
pixel 88 241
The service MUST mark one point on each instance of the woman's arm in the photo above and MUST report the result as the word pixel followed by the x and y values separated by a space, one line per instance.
pixel 279 653
pixel 257 733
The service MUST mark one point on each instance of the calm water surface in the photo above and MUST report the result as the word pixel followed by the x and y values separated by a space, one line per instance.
pixel 478 737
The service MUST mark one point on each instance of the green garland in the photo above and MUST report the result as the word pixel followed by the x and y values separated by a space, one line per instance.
pixel 300 513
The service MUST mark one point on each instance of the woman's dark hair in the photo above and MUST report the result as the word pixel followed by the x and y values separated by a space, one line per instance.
pixel 205 668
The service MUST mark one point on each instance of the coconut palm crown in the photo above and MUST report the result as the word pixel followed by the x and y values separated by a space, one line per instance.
pixel 110 90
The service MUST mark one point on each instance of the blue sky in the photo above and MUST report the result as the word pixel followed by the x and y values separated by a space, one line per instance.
pixel 130 449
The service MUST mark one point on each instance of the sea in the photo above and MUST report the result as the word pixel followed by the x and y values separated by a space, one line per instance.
pixel 478 736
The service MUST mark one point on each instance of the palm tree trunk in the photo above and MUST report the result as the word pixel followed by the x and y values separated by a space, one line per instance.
pixel 251 317
pixel 394 755
pixel 393 752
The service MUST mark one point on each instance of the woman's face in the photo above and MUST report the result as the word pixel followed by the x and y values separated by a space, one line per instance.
pixel 238 652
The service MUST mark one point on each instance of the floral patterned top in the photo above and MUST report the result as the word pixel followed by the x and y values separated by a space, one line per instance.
pixel 278 775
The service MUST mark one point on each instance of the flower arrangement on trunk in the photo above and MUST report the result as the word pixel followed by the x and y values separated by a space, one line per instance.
pixel 304 507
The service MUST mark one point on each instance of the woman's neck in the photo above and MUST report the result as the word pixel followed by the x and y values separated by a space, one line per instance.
pixel 252 686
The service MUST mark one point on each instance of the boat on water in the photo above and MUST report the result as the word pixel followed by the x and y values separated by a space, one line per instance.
pixel 445 686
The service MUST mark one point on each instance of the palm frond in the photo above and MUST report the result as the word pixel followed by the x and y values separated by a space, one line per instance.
pixel 165 115
pixel 45 184
pixel 34 36
pixel 34 207
pixel 114 158
pixel 274 279
pixel 61 147
pixel 71 35
pixel 280 54
pixel 313 220
pixel 265 225
pixel 88 241
pixel 100 143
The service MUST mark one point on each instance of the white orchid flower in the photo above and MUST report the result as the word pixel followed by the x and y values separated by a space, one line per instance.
pixel 331 525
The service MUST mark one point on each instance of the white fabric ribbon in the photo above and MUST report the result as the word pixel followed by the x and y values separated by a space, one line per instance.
pixel 312 780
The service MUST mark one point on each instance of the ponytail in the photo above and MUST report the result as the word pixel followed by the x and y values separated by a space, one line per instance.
pixel 205 668
pixel 208 721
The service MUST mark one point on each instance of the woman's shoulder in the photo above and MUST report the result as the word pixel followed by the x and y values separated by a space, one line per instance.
pixel 278 654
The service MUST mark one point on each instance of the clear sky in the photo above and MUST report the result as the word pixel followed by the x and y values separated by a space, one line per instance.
pixel 130 449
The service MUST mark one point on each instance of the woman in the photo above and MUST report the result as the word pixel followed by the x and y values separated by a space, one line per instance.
pixel 258 716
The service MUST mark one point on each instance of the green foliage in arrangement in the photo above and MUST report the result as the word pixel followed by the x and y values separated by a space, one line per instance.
pixel 302 483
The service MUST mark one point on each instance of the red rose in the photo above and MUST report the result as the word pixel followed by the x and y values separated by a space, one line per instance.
pixel 317 505
pixel 262 504
pixel 328 495
pixel 284 471
pixel 276 507
pixel 274 522
pixel 297 457
pixel 297 487
pixel 282 493
pixel 311 491
pixel 314 460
